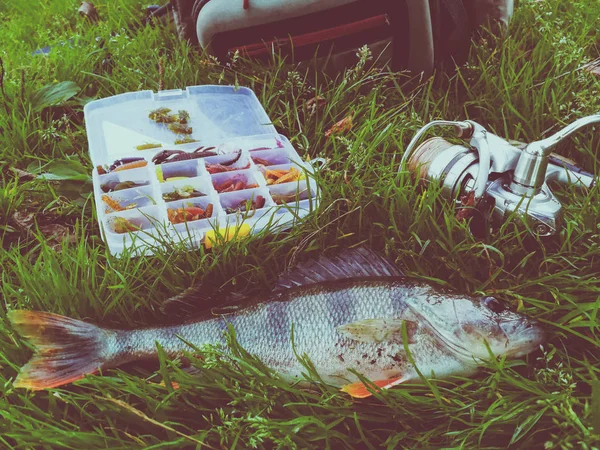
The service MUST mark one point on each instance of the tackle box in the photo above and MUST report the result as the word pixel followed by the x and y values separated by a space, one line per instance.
pixel 196 167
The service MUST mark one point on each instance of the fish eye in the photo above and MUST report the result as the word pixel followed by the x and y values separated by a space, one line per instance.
pixel 493 305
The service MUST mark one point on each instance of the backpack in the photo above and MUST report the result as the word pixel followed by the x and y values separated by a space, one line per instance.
pixel 418 35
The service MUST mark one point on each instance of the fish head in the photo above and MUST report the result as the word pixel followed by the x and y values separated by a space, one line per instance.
pixel 505 331
pixel 474 326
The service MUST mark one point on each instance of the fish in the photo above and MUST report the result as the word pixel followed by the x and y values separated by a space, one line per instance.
pixel 351 313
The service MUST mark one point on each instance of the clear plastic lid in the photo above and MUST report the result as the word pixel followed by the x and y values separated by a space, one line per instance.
pixel 117 126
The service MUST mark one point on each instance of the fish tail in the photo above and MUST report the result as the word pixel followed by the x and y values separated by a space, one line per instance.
pixel 65 349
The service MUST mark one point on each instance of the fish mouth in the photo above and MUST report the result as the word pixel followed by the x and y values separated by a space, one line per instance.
pixel 530 336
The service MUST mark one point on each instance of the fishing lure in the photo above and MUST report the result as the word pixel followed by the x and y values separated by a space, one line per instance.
pixel 182 193
pixel 148 146
pixel 256 203
pixel 233 184
pixel 282 176
pixel 115 185
pixel 185 140
pixel 189 214
pixel 122 164
pixel 262 162
pixel 112 204
pixel 180 128
pixel 161 115
pixel 288 198
pixel 121 225
pixel 183 116
pixel 168 156
pixel 222 166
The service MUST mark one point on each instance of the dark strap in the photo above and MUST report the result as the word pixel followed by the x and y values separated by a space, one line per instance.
pixel 421 53
pixel 198 5
pixel 460 38
pixel 184 19
pixel 452 31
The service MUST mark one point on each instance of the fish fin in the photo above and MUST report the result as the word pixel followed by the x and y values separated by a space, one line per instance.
pixel 379 330
pixel 359 390
pixel 357 262
pixel 174 384
pixel 190 370
pixel 197 299
pixel 65 349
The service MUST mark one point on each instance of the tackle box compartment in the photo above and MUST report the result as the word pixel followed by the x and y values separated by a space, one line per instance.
pixel 253 179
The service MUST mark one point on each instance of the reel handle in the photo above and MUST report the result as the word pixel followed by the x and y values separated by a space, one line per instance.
pixel 567 173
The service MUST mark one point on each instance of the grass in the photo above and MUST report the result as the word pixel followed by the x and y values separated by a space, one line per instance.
pixel 521 88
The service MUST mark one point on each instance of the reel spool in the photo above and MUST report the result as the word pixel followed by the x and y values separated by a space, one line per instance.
pixel 455 166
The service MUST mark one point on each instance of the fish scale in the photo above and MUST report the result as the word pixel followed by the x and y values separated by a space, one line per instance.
pixel 315 313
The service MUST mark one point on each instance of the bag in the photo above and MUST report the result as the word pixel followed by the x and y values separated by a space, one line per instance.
pixel 419 35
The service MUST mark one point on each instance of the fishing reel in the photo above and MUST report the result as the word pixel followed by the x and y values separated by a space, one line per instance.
pixel 495 178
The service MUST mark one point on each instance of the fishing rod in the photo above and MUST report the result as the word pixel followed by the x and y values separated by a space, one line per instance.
pixel 496 178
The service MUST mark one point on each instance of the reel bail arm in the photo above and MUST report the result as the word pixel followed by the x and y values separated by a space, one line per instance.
pixel 463 129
